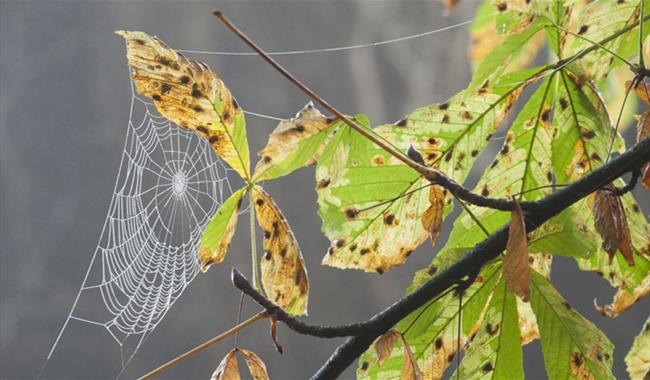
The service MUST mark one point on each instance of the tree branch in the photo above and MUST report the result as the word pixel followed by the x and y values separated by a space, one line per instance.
pixel 538 213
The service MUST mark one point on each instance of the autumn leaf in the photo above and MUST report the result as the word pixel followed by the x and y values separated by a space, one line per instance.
pixel 215 240
pixel 432 217
pixel 188 93
pixel 284 276
pixel 516 271
pixel 643 126
pixel 256 366
pixel 294 143
pixel 384 347
pixel 228 369
pixel 611 223
pixel 638 359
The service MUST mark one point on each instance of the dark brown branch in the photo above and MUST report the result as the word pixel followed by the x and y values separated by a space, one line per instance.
pixel 538 213
pixel 274 310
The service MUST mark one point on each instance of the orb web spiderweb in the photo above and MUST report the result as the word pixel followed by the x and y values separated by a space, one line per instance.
pixel 169 185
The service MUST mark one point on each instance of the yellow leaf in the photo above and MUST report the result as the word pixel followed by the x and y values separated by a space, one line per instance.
pixel 516 271
pixel 432 217
pixel 188 93
pixel 228 369
pixel 283 270
pixel 255 365
pixel 611 224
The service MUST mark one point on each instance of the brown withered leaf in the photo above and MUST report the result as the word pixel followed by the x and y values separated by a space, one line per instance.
pixel 643 132
pixel 516 271
pixel 188 93
pixel 449 5
pixel 641 89
pixel 384 347
pixel 611 223
pixel 228 369
pixel 274 334
pixel 432 217
pixel 283 270
pixel 255 365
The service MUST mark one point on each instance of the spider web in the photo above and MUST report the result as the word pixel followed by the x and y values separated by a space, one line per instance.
pixel 169 185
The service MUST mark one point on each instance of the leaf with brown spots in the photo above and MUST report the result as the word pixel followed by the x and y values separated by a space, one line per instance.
pixel 284 276
pixel 611 223
pixel 188 93
pixel 432 217
pixel 516 271
pixel 216 237
pixel 228 369
pixel 294 143
pixel 256 366
pixel 638 359
pixel 572 346
pixel 384 345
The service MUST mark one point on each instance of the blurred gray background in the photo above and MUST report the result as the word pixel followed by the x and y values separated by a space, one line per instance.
pixel 64 101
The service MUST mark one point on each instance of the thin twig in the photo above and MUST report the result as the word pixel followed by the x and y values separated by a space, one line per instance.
pixel 206 344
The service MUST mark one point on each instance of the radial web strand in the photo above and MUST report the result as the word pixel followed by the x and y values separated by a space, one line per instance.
pixel 169 184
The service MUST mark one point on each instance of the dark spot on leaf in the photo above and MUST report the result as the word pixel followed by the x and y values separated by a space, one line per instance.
pixel 494 163
pixel 276 229
pixel 401 123
pixel 432 270
pixel 329 120
pixel 198 109
pixel 139 41
pixel 545 114
pixel 445 119
pixel 380 271
pixel 595 157
pixel 353 247
pixel 474 153
pixel 323 183
pixel 408 252
pixel 549 176
pixel 505 149
pixel 467 115
pixel 259 201
pixel 566 304
pixel 577 359
pixel 283 251
pixel 563 103
pixel 389 219
pixel 485 192
pixel 438 343
pixel 156 97
pixel 491 329
pixel 165 88
pixel 431 156
pixel 450 357
pixel 267 234
pixel 364 251
pixel 267 255
pixel 635 208
pixel 583 29
pixel 266 159
pixel 339 243
pixel 300 128
pixel 202 129
pixel 502 7
pixel 448 156
pixel 432 140
pixel 185 79
pixel 364 366
pixel 330 251
pixel 589 134
pixel 213 139
pixel 443 106
pixel 487 367
pixel 195 91
pixel 351 213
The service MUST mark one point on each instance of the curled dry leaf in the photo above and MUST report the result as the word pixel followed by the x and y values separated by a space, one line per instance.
pixel 255 365
pixel 432 217
pixel 228 369
pixel 384 347
pixel 283 270
pixel 516 271
pixel 188 93
pixel 274 334
pixel 611 223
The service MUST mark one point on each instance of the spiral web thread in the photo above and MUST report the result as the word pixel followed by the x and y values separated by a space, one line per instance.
pixel 169 185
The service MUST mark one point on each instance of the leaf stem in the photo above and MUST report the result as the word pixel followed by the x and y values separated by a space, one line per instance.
pixel 251 210
pixel 206 344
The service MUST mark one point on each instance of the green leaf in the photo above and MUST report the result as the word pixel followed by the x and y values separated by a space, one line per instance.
pixel 371 204
pixel 218 233
pixel 573 347
pixel 294 143
pixel 597 21
pixel 638 359
pixel 495 352
pixel 514 52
